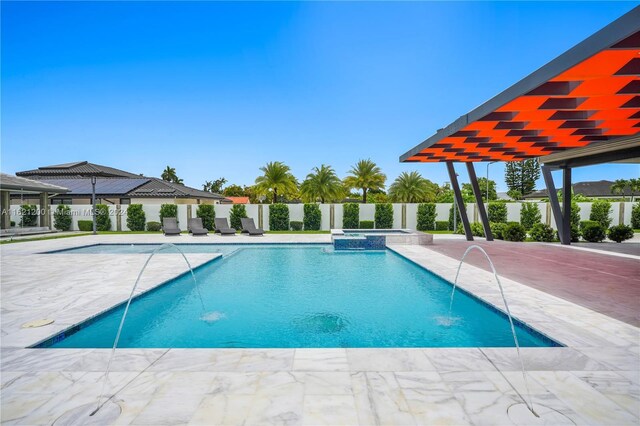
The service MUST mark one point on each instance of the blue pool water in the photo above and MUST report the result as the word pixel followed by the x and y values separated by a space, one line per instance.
pixel 300 296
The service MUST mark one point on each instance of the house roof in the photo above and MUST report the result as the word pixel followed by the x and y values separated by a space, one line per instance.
pixel 16 183
pixel 590 93
pixel 112 182
pixel 238 200
pixel 599 188
pixel 79 168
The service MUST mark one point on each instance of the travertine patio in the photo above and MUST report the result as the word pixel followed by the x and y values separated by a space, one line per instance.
pixel 595 379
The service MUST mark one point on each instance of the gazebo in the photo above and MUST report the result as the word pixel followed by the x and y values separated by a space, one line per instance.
pixel 580 109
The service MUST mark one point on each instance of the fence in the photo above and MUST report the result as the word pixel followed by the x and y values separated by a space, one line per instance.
pixel 331 214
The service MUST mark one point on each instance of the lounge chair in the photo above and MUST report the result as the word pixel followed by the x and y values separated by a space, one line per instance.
pixel 249 227
pixel 222 226
pixel 170 226
pixel 194 226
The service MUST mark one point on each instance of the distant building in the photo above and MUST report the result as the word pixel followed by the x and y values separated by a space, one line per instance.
pixel 592 189
pixel 235 200
pixel 113 186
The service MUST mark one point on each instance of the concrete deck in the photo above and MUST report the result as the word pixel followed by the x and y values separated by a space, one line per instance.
pixel 595 379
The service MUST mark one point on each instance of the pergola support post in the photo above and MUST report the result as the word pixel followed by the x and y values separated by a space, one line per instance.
pixel 5 206
pixel 555 205
pixel 481 210
pixel 459 201
pixel 566 204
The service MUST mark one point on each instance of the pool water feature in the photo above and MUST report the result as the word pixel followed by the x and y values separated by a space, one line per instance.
pixel 283 296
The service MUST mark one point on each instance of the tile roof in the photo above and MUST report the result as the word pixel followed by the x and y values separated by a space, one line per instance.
pixel 80 168
pixel 599 188
pixel 104 186
pixel 16 183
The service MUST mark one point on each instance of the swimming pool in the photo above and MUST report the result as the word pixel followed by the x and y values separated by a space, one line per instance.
pixel 282 296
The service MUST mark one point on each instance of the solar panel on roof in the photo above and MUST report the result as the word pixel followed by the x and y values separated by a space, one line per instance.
pixel 103 186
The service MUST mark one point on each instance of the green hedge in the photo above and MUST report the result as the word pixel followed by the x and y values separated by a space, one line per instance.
pixel 168 210
pixel 350 215
pixel 29 215
pixel 530 215
pixel 635 216
pixel 620 233
pixel 514 232
pixel 312 217
pixel 154 226
pixel 279 217
pixel 366 224
pixel 497 229
pixel 585 223
pixel 207 213
pixel 426 217
pixel 442 225
pixel 601 212
pixel 237 212
pixel 62 218
pixel 497 212
pixel 136 218
pixel 594 233
pixel 459 219
pixel 543 233
pixel 85 225
pixel 384 216
pixel 103 221
pixel 477 230
pixel 296 225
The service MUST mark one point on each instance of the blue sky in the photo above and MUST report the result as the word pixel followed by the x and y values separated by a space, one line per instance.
pixel 219 89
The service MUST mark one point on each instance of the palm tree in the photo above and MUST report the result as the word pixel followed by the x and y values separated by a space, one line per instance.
pixel 619 186
pixel 169 174
pixel 410 188
pixel 634 186
pixel 365 175
pixel 277 177
pixel 322 183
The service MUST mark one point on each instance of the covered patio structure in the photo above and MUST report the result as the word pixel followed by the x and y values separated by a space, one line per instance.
pixel 582 108
pixel 10 184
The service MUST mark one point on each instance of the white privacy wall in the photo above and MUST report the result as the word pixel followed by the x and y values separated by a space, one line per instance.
pixel 296 213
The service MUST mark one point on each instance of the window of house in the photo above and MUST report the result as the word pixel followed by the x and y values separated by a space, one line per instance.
pixel 125 200
pixel 61 201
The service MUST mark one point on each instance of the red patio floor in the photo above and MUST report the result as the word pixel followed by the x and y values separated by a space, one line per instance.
pixel 604 283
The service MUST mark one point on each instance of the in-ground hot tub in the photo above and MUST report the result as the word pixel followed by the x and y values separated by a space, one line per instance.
pixel 376 239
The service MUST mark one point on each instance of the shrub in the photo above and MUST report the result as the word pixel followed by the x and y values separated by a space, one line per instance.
pixel 594 233
pixel 497 212
pixel 13 223
pixel 426 217
pixel 384 216
pixel 29 215
pixel 295 225
pixel 207 213
pixel 312 217
pixel 103 221
pixel 279 217
pixel 635 216
pixel 350 215
pixel 237 212
pixel 600 211
pixel 460 229
pixel 442 225
pixel 514 232
pixel 154 226
pixel 366 224
pixel 585 223
pixel 85 225
pixel 477 230
pixel 542 232
pixel 459 219
pixel 620 233
pixel 497 229
pixel 136 217
pixel 530 215
pixel 168 210
pixel 62 218
pixel 576 233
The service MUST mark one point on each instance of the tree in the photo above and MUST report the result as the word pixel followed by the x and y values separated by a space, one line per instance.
pixel 365 175
pixel 634 186
pixel 169 175
pixel 467 190
pixel 521 176
pixel 214 186
pixel 322 183
pixel 276 178
pixel 234 191
pixel 412 188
